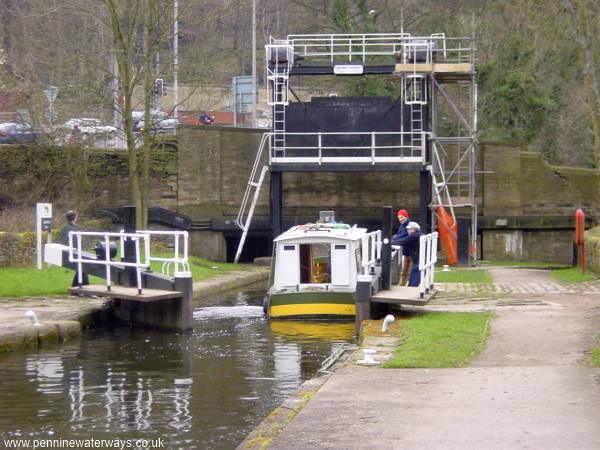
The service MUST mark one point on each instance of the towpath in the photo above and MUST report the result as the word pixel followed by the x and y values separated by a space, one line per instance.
pixel 528 389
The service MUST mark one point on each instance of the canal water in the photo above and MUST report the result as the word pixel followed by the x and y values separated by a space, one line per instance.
pixel 202 390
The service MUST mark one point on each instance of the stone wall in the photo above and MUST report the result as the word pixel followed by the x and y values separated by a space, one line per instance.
pixel 526 206
pixel 81 178
pixel 592 250
pixel 215 163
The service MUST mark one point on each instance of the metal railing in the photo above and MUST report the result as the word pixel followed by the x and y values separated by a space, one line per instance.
pixel 334 46
pixel 179 263
pixel 254 184
pixel 143 259
pixel 363 147
pixel 427 260
pixel 371 251
pixel 138 264
pixel 372 46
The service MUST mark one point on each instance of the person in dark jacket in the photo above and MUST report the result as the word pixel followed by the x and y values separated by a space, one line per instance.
pixel 71 225
pixel 413 246
pixel 404 220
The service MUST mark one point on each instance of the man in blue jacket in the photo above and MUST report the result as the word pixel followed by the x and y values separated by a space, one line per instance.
pixel 404 220
pixel 411 243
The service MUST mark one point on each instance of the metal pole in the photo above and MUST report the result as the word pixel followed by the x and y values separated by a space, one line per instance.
pixel 386 248
pixel 253 63
pixel 175 57
pixel 130 244
pixel 235 102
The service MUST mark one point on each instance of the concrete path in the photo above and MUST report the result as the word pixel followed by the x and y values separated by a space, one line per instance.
pixel 528 389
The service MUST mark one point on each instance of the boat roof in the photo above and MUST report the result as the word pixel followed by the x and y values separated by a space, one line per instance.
pixel 322 231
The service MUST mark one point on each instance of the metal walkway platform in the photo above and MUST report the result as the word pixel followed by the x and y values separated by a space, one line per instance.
pixel 125 293
pixel 403 295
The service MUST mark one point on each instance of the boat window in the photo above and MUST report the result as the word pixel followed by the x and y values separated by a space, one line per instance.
pixel 289 247
pixel 340 247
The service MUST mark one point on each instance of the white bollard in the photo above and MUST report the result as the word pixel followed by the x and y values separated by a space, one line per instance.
pixel 33 317
pixel 386 323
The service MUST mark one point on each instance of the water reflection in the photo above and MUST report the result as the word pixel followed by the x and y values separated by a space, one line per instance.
pixel 121 383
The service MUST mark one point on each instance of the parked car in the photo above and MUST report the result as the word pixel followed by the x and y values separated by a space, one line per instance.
pixel 159 126
pixel 138 117
pixel 20 133
pixel 89 128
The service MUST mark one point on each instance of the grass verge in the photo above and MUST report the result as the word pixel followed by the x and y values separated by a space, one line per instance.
pixel 571 275
pixel 463 276
pixel 595 357
pixel 436 340
pixel 30 282
pixel 18 282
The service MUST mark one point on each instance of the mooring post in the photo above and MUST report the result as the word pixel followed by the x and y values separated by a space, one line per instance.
pixel 129 245
pixel 363 302
pixel 386 247
pixel 276 203
pixel 185 285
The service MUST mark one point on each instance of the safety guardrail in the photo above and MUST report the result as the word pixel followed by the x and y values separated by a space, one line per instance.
pixel 180 263
pixel 371 251
pixel 106 261
pixel 362 47
pixel 427 260
pixel 381 147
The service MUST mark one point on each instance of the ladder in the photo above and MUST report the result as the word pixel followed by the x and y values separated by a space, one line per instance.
pixel 278 143
pixel 416 126
pixel 255 182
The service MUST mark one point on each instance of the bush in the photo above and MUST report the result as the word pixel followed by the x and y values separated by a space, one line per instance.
pixel 17 250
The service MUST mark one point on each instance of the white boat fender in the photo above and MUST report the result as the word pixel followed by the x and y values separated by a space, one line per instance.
pixel 386 322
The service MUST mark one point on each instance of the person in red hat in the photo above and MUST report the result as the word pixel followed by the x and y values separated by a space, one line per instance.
pixel 402 233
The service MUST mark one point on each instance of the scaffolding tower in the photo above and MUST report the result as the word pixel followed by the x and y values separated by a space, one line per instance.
pixel 438 85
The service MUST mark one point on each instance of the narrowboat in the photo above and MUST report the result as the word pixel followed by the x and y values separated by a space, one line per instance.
pixel 316 267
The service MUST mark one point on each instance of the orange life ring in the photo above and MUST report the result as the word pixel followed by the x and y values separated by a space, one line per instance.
pixel 447 230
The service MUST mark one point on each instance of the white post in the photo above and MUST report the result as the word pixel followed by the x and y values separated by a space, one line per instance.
pixel 43 214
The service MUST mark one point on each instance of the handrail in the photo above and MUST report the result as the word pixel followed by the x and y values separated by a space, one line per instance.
pixel 371 250
pixel 447 49
pixel 175 261
pixel 239 221
pixel 402 149
pixel 167 262
pixel 136 237
pixel 427 260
